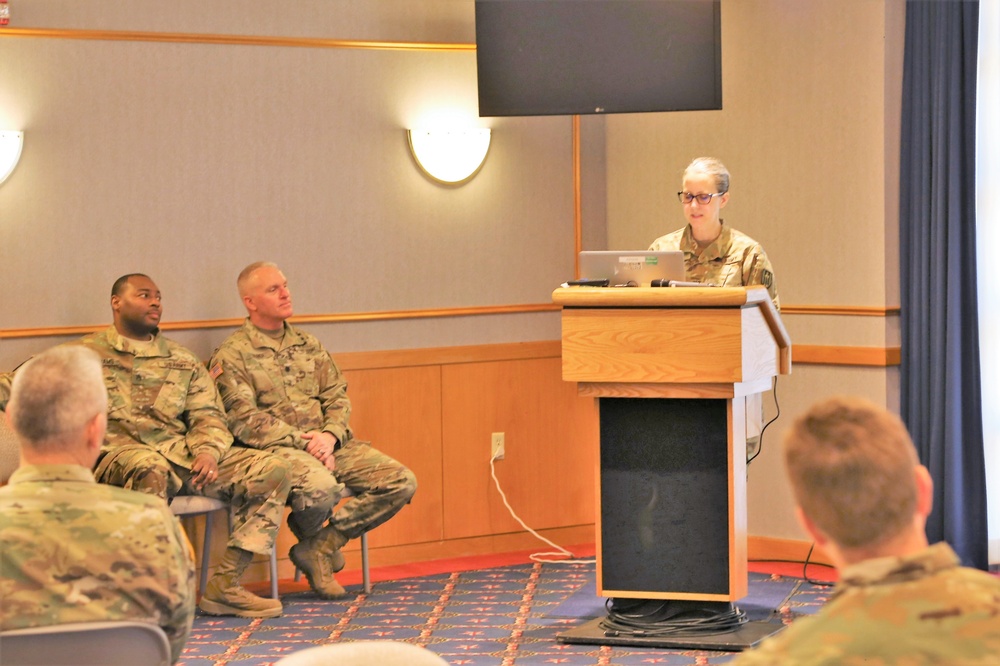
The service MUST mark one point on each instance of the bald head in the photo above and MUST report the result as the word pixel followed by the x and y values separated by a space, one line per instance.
pixel 245 278
pixel 264 291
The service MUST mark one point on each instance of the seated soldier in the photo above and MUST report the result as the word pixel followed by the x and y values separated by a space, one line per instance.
pixel 167 435
pixel 284 394
pixel 75 550
pixel 864 498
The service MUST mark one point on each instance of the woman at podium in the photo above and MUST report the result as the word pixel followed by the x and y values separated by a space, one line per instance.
pixel 719 255
pixel 713 252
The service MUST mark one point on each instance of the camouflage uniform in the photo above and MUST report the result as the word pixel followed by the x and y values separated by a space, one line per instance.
pixel 163 411
pixel 273 392
pixel 5 379
pixel 731 260
pixel 922 609
pixel 77 551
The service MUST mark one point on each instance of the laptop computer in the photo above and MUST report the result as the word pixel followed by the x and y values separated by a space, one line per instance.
pixel 631 268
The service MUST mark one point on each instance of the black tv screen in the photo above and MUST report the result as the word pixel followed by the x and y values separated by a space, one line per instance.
pixel 566 57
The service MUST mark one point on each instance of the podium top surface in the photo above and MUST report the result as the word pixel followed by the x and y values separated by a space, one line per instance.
pixel 670 297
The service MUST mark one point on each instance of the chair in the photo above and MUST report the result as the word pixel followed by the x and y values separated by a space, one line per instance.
pixel 365 572
pixel 196 505
pixel 363 653
pixel 111 643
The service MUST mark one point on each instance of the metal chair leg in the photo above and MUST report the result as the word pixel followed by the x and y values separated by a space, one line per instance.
pixel 274 570
pixel 206 549
pixel 365 573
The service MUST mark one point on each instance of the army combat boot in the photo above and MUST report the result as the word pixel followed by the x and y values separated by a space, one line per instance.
pixel 319 561
pixel 223 595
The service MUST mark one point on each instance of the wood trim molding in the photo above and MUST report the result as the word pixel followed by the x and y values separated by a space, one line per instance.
pixel 231 40
pixel 54 331
pixel 408 358
pixel 837 355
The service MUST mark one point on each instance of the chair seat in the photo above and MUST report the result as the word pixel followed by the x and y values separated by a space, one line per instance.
pixel 112 643
pixel 186 505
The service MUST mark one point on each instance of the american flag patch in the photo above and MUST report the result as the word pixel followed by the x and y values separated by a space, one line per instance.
pixel 216 370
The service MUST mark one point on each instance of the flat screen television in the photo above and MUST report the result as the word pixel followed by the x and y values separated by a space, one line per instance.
pixel 567 57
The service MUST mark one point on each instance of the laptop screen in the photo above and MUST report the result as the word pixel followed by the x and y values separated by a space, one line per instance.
pixel 631 268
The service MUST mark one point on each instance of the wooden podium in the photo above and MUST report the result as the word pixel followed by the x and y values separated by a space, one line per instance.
pixel 672 369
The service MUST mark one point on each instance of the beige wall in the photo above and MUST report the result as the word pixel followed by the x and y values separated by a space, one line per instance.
pixel 809 131
pixel 189 160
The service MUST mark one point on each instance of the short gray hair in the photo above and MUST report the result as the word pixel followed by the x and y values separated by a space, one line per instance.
pixel 55 394
pixel 711 167
pixel 243 280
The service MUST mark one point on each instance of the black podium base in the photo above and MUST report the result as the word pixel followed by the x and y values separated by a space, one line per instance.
pixel 747 636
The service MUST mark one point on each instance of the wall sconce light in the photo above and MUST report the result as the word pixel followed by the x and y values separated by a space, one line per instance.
pixel 450 156
pixel 10 151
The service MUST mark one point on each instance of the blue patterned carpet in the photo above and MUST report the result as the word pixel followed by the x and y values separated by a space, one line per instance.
pixel 503 616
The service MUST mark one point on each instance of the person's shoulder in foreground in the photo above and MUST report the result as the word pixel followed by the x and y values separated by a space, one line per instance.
pixel 863 496
pixel 76 550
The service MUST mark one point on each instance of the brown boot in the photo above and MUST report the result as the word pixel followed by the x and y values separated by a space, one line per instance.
pixel 318 562
pixel 223 595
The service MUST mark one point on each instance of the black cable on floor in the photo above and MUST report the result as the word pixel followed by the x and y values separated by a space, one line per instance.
pixel 805 565
pixel 644 617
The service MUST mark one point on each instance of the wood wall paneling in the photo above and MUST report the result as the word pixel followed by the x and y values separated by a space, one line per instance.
pixel 399 411
pixel 551 440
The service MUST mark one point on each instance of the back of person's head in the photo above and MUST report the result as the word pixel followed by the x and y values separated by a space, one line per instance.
pixel 712 167
pixel 55 395
pixel 851 466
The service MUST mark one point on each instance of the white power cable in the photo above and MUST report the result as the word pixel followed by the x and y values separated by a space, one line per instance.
pixel 535 557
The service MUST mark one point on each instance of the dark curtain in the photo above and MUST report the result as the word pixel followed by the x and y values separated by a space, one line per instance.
pixel 940 373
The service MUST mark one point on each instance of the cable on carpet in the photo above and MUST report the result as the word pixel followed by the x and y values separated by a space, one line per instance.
pixel 644 617
pixel 805 565
pixel 536 557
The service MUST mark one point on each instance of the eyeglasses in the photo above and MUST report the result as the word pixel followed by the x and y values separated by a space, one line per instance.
pixel 703 199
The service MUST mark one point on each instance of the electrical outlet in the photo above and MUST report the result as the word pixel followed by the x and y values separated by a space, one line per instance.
pixel 497 446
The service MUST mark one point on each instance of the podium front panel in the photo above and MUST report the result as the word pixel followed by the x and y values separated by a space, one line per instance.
pixel 665 486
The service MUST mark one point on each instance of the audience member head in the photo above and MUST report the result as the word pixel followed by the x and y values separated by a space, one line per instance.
pixel 135 303
pixel 860 490
pixel 265 294
pixel 58 407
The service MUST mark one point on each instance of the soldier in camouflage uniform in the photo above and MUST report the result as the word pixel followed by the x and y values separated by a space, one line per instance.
pixel 864 498
pixel 73 550
pixel 717 255
pixel 167 435
pixel 714 253
pixel 283 393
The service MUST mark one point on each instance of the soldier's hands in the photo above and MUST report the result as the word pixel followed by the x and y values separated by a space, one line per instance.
pixel 320 446
pixel 206 470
